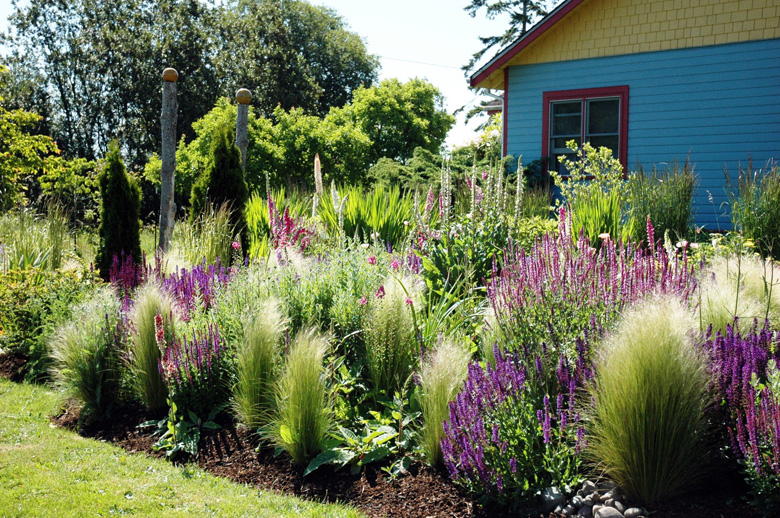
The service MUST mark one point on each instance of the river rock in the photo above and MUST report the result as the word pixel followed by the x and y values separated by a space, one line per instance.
pixel 552 497
pixel 586 511
pixel 633 512
pixel 608 512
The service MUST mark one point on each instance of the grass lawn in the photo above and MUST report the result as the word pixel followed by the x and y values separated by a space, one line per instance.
pixel 47 471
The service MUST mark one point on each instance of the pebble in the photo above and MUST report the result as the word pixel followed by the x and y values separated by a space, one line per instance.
pixel 608 512
pixel 553 497
pixel 596 508
pixel 585 511
pixel 610 502
pixel 633 512
pixel 620 507
pixel 569 510
pixel 577 501
pixel 589 486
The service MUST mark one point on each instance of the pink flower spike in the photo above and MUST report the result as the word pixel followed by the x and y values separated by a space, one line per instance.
pixel 380 293
pixel 236 245
pixel 484 175
pixel 371 259
pixel 409 301
pixel 394 264
pixel 362 301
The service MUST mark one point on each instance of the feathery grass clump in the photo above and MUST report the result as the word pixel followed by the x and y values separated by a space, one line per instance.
pixel 736 287
pixel 86 354
pixel 257 362
pixel 209 237
pixel 441 375
pixel 302 420
pixel 32 241
pixel 145 353
pixel 391 346
pixel 648 429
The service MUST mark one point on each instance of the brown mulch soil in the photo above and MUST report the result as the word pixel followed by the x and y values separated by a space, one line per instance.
pixel 424 492
pixel 12 366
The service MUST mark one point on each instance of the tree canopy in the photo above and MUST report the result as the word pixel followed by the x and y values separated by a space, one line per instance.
pixel 93 66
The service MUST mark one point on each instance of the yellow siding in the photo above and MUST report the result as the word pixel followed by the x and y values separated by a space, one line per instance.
pixel 613 27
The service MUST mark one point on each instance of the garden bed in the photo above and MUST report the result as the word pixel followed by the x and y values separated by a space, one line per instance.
pixel 424 492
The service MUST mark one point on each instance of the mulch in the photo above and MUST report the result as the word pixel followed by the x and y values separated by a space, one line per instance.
pixel 425 492
pixel 12 366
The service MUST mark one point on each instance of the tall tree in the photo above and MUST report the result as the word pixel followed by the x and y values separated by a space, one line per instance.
pixel 521 15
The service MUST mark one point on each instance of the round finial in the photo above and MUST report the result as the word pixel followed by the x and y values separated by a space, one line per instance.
pixel 170 75
pixel 244 96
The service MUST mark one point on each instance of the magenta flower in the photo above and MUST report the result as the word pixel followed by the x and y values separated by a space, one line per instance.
pixel 236 245
pixel 409 301
pixel 394 264
pixel 484 175
pixel 362 301
pixel 380 293
pixel 371 259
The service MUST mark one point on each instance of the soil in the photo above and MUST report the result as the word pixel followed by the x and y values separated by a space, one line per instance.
pixel 425 493
pixel 12 366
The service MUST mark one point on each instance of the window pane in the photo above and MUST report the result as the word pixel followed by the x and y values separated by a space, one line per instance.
pixel 610 142
pixel 603 116
pixel 559 144
pixel 566 118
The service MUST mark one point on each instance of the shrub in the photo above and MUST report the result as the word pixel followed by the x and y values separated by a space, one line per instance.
pixel 664 197
pixel 86 354
pixel 391 344
pixel 222 182
pixel 598 205
pixel 145 352
pixel 754 204
pixel 195 370
pixel 506 438
pixel 747 400
pixel 441 375
pixel 257 361
pixel 33 303
pixel 648 426
pixel 120 227
pixel 302 420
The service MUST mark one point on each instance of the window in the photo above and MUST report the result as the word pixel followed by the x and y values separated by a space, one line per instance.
pixel 598 116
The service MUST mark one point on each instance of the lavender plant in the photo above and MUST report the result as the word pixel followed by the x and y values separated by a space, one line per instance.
pixel 747 398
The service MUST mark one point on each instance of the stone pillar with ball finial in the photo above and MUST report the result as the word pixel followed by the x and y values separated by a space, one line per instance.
pixel 170 107
pixel 243 98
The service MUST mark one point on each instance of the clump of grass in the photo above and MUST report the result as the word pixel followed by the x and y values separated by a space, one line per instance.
pixel 730 289
pixel 145 352
pixel 257 362
pixel 34 241
pixel 391 347
pixel 210 237
pixel 441 375
pixel 85 353
pixel 648 429
pixel 302 420
pixel 663 196
pixel 754 202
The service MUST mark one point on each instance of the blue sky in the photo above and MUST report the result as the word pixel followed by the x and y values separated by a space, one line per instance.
pixel 429 39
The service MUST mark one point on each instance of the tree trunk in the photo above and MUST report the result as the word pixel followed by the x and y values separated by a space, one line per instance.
pixel 168 121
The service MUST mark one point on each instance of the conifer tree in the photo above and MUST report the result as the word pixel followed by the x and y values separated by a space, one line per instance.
pixel 120 227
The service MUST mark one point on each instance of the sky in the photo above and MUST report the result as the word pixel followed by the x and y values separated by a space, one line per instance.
pixel 428 39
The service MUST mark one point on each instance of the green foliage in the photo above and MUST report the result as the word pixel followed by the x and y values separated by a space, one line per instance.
pixel 754 202
pixel 441 376
pixel 222 182
pixel 145 351
pixel 258 358
pixel 391 344
pixel 765 482
pixel 258 222
pixel 398 117
pixel 372 445
pixel 181 433
pixel 664 197
pixel 648 428
pixel 31 241
pixel 33 303
pixel 86 354
pixel 381 214
pixel 210 237
pixel 72 184
pixel 120 228
pixel 599 205
pixel 303 419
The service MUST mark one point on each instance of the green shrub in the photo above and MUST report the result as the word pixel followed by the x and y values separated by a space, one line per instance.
pixel 257 361
pixel 441 376
pixel 120 228
pixel 145 352
pixel 598 205
pixel 665 197
pixel 222 182
pixel 648 428
pixel 391 344
pixel 32 304
pixel 86 354
pixel 303 420
pixel 754 204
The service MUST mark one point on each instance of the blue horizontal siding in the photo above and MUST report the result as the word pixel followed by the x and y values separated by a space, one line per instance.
pixel 718 105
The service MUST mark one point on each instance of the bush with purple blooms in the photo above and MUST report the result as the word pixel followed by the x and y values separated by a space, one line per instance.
pixel 506 438
pixel 196 371
pixel 746 385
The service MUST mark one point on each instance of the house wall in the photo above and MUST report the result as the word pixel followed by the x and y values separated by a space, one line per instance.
pixel 719 105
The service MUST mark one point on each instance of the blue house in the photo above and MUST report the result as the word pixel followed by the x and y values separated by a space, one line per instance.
pixel 653 80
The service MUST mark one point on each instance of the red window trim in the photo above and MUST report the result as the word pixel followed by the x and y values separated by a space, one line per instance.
pixel 583 94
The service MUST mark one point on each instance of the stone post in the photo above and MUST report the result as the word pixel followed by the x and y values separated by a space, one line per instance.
pixel 243 98
pixel 168 121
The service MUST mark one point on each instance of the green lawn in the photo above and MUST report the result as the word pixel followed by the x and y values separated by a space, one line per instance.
pixel 46 471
